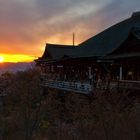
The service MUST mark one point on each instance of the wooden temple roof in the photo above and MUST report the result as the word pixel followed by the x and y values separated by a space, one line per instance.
pixel 57 51
pixel 99 45
pixel 110 39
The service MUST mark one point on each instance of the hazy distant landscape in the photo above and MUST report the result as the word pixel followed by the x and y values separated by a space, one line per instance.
pixel 14 67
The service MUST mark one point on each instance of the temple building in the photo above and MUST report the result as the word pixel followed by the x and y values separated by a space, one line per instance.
pixel 99 62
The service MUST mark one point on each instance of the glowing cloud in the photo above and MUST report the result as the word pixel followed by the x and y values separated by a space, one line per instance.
pixel 16 58
pixel 26 25
pixel 1 59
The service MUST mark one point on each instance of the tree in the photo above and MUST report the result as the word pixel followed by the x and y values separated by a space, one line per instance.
pixel 24 105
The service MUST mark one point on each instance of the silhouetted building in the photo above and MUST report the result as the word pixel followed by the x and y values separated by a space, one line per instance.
pixel 109 56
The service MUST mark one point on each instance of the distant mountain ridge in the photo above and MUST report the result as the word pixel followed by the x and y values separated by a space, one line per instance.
pixel 14 67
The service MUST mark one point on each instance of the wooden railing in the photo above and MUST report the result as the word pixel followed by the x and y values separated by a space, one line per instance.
pixel 128 84
pixel 84 88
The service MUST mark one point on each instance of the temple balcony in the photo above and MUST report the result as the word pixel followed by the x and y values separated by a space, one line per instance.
pixel 129 84
pixel 83 88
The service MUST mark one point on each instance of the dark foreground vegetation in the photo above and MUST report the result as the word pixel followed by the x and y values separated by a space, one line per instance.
pixel 29 112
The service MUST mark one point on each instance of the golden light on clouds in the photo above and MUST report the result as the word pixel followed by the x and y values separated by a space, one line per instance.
pixel 1 59
pixel 16 58
pixel 24 33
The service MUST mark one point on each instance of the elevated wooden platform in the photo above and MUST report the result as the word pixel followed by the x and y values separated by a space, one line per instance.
pixel 129 84
pixel 83 88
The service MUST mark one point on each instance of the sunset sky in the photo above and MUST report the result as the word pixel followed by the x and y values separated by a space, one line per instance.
pixel 26 25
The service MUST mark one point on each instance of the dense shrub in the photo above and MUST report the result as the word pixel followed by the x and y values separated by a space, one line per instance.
pixel 30 111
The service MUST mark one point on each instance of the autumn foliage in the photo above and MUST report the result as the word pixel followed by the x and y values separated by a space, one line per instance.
pixel 32 112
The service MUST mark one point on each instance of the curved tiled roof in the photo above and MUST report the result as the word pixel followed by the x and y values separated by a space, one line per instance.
pixel 57 51
pixel 101 44
pixel 110 39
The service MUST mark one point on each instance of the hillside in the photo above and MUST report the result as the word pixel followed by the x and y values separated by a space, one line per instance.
pixel 14 67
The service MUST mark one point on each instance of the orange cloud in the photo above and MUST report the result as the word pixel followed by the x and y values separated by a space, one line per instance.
pixel 27 25
pixel 16 58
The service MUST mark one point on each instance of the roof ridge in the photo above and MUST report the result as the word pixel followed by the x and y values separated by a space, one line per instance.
pixel 66 47
pixel 107 29
pixel 55 45
pixel 135 14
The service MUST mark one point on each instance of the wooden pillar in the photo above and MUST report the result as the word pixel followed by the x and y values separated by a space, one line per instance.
pixel 52 68
pixel 49 67
pixel 89 71
pixel 121 72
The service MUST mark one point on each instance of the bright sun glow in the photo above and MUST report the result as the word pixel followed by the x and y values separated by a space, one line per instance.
pixel 1 59
pixel 15 58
